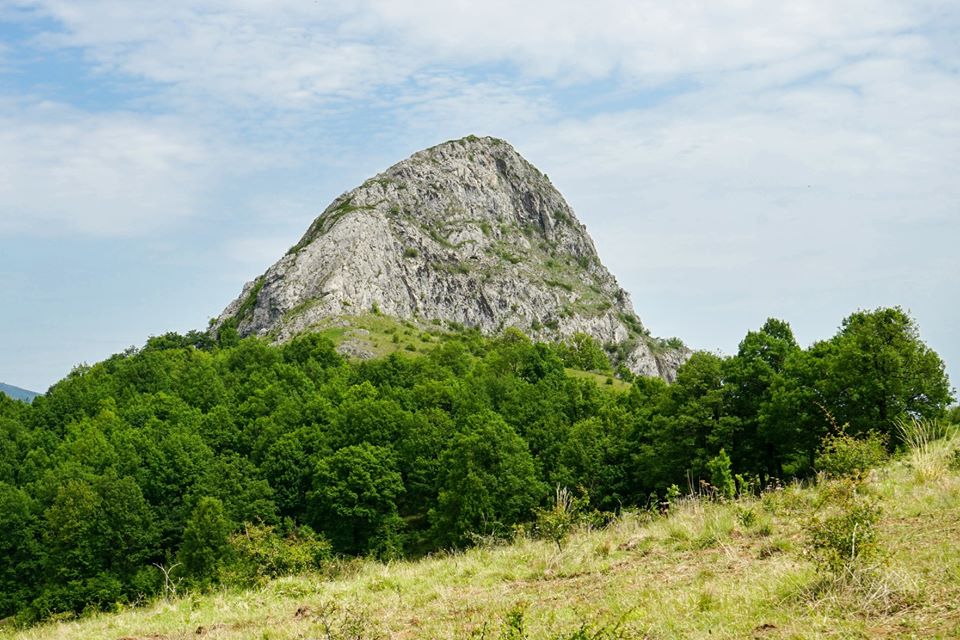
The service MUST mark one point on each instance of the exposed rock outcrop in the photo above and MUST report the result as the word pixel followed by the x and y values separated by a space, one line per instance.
pixel 465 232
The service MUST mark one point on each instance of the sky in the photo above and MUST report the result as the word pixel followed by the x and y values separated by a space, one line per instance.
pixel 733 160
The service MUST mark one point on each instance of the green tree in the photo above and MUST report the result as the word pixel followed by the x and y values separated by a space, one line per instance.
pixel 97 535
pixel 749 378
pixel 487 481
pixel 721 474
pixel 19 550
pixel 354 500
pixel 882 370
pixel 581 351
pixel 240 487
pixel 206 541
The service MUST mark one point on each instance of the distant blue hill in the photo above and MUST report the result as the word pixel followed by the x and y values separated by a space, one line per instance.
pixel 17 393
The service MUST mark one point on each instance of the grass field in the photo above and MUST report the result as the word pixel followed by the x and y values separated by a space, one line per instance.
pixel 738 569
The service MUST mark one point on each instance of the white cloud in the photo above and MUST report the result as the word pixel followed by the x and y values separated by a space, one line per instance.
pixel 296 54
pixel 64 171
pixel 559 38
pixel 288 54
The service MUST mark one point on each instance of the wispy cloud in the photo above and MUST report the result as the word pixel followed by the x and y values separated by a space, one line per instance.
pixel 64 171
pixel 294 54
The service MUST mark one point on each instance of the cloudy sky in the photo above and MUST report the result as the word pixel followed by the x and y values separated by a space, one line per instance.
pixel 733 160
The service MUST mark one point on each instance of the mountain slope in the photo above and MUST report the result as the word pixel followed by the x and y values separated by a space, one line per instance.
pixel 17 393
pixel 465 233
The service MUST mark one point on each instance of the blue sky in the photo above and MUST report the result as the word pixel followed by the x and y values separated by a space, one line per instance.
pixel 732 160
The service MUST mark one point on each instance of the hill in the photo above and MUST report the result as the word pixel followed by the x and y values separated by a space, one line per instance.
pixel 751 568
pixel 466 233
pixel 17 393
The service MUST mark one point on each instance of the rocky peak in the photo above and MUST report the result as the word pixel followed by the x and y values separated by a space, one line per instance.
pixel 467 232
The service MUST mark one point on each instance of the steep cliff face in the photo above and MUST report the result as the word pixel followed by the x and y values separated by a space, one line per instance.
pixel 466 232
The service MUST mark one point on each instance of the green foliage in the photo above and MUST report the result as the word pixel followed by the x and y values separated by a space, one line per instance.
pixel 556 523
pixel 260 554
pixel 487 481
pixel 879 354
pixel 843 536
pixel 566 286
pixel 354 500
pixel 953 415
pixel 721 475
pixel 633 323
pixel 206 541
pixel 843 455
pixel 246 307
pixel 163 454
pixel 95 534
pixel 19 549
pixel 581 351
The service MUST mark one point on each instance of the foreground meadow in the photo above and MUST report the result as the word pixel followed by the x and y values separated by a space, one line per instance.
pixel 748 568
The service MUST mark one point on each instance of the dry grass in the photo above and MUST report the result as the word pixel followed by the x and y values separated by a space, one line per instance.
pixel 708 570
pixel 932 446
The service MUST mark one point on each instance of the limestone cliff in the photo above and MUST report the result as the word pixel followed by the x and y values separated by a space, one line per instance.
pixel 465 232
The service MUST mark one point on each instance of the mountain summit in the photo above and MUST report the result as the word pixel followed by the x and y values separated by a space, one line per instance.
pixel 466 233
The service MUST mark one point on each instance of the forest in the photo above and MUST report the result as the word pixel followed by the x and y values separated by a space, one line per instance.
pixel 197 461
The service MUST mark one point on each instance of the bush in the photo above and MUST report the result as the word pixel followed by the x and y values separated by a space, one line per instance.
pixel 843 536
pixel 558 521
pixel 721 475
pixel 843 455
pixel 261 554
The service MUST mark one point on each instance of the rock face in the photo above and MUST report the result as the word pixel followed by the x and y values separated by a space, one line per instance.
pixel 465 232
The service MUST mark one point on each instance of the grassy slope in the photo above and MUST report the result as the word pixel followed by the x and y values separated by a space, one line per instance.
pixel 380 335
pixel 599 378
pixel 707 570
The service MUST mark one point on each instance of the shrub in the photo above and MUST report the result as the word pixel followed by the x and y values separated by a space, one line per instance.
pixel 721 475
pixel 843 536
pixel 558 521
pixel 261 554
pixel 843 455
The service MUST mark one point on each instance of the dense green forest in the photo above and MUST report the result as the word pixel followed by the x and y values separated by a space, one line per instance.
pixel 198 460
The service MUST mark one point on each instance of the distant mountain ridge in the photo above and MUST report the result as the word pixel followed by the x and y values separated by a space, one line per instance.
pixel 17 393
pixel 466 233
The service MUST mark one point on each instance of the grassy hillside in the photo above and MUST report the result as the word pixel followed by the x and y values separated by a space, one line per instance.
pixel 743 569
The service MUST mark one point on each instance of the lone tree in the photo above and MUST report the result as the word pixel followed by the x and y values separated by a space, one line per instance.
pixel 882 370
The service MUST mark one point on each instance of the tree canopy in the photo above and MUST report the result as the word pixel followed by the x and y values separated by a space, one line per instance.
pixel 201 457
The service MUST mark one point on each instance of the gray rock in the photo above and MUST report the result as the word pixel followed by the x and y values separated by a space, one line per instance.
pixel 467 232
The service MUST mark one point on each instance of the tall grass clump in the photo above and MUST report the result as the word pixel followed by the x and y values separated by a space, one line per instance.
pixel 557 522
pixel 932 446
